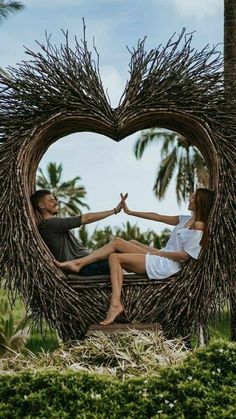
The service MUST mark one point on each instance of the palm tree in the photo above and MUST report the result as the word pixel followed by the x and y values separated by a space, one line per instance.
pixel 177 155
pixel 101 237
pixel 132 232
pixel 128 232
pixel 7 8
pixel 69 194
pixel 97 239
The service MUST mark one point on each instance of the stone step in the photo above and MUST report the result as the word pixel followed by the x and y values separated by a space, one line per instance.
pixel 117 328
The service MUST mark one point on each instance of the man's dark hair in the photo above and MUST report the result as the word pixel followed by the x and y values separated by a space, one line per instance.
pixel 37 197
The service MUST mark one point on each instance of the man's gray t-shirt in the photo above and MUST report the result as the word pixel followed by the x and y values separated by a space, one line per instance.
pixel 60 240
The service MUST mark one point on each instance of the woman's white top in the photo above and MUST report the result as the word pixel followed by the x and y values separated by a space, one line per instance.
pixel 181 239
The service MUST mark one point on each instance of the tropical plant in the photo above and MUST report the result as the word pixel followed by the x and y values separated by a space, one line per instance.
pixel 178 155
pixel 70 195
pixel 6 9
pixel 9 7
pixel 149 237
pixel 101 237
pixel 13 335
pixel 128 232
pixel 132 232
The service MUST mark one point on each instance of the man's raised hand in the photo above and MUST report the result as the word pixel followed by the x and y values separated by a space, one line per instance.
pixel 125 207
pixel 119 207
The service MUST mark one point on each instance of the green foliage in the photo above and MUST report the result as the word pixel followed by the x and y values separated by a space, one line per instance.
pixel 203 387
pixel 13 335
pixel 128 232
pixel 220 328
pixel 70 195
pixel 6 9
pixel 38 342
pixel 9 7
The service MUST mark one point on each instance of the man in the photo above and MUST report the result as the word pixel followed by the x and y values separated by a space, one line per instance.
pixel 56 233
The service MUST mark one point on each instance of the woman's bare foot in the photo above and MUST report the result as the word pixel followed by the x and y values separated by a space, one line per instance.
pixel 113 312
pixel 68 266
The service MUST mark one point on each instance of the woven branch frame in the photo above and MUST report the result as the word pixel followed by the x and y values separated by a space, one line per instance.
pixel 59 91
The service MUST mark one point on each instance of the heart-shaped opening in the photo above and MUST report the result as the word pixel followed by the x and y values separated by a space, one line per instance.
pixel 185 125
pixel 107 168
pixel 61 126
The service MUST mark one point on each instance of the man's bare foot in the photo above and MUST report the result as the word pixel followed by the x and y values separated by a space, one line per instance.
pixel 113 312
pixel 68 266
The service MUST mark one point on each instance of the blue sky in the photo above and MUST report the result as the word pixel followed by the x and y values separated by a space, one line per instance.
pixel 106 167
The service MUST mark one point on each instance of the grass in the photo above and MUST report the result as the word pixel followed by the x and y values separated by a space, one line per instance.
pixel 125 355
pixel 38 343
pixel 49 342
pixel 221 329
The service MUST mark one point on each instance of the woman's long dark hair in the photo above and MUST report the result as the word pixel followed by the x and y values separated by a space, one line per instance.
pixel 204 199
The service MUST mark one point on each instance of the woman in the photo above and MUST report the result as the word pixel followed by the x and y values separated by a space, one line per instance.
pixel 187 238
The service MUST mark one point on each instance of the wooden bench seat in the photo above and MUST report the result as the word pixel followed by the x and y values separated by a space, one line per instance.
pixel 77 281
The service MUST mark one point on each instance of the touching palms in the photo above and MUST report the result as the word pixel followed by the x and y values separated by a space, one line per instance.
pixel 177 155
pixel 69 194
pixel 7 8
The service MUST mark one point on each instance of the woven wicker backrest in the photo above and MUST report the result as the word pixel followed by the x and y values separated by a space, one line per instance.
pixel 59 92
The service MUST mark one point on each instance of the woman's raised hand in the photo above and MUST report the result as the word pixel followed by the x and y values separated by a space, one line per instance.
pixel 120 206
pixel 124 205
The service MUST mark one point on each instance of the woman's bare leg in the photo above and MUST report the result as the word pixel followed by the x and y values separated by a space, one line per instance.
pixel 116 245
pixel 143 246
pixel 131 262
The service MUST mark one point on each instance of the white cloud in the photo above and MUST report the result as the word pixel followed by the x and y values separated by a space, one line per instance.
pixel 113 83
pixel 198 9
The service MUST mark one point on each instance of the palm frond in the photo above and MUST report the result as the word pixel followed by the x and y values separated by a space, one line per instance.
pixel 69 194
pixel 169 139
pixel 9 7
pixel 54 174
pixel 145 139
pixel 41 181
pixel 164 174
pixel 201 170
pixel 182 186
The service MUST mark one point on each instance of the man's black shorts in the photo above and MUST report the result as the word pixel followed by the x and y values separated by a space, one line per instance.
pixel 96 268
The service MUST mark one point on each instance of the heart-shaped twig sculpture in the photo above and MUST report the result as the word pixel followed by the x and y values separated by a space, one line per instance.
pixel 59 92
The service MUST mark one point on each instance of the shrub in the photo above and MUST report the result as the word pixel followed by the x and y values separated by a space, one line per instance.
pixel 13 335
pixel 203 387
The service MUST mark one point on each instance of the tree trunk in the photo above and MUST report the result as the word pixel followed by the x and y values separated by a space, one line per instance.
pixel 230 40
pixel 230 78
